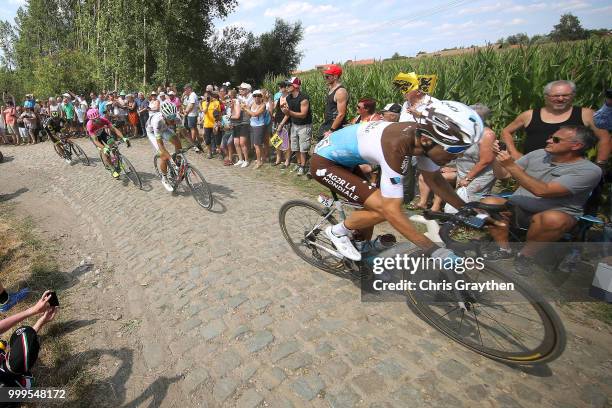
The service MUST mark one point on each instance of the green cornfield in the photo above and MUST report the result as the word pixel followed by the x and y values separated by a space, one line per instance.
pixel 509 81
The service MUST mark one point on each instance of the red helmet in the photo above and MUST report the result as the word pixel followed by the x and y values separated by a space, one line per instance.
pixel 93 114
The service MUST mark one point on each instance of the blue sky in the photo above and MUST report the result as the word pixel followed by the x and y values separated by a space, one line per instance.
pixel 337 31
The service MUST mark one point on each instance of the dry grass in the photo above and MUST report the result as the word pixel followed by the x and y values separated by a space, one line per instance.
pixel 28 261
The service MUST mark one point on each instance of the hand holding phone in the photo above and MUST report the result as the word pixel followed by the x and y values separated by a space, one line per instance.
pixel 53 300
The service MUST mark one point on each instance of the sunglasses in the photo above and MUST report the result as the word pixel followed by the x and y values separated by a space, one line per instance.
pixel 449 149
pixel 557 139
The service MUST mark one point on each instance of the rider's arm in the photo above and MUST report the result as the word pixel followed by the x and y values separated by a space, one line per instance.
pixel 603 144
pixel 442 188
pixel 394 213
pixel 520 122
pixel 97 142
pixel 341 102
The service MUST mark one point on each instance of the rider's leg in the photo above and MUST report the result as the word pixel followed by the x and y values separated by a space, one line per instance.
pixel 546 227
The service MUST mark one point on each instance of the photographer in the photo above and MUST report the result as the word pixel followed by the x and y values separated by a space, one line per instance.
pixel 16 363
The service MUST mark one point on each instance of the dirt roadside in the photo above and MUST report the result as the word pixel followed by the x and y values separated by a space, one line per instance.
pixel 107 353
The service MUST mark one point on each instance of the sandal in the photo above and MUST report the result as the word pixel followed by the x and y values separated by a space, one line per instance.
pixel 413 206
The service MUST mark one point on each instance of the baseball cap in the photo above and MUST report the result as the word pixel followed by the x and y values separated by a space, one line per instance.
pixel 23 350
pixel 294 81
pixel 333 70
pixel 392 107
pixel 187 86
pixel 257 92
pixel 244 85
pixel 171 93
pixel 162 94
pixel 209 88
pixel 153 93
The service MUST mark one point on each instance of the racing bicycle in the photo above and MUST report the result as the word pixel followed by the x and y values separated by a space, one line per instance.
pixel 517 327
pixel 68 150
pixel 179 169
pixel 120 163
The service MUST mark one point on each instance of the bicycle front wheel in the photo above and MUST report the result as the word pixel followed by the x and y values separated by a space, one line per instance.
pixel 130 171
pixel 199 187
pixel 514 327
pixel 80 153
pixel 303 224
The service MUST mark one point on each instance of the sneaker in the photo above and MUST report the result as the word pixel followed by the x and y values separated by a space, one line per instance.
pixel 245 164
pixel 166 184
pixel 300 171
pixel 68 160
pixel 239 163
pixel 13 299
pixel 195 149
pixel 524 265
pixel 496 254
pixel 343 245
pixel 115 174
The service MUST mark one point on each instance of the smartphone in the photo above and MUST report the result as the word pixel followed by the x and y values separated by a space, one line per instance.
pixel 502 146
pixel 53 301
pixel 475 222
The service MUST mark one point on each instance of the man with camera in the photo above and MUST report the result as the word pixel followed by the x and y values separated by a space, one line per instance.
pixel 554 185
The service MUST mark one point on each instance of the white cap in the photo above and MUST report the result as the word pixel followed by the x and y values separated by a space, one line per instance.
pixel 162 94
pixel 67 95
pixel 171 93
pixel 257 92
pixel 244 85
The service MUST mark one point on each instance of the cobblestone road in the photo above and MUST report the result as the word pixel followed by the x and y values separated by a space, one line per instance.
pixel 223 301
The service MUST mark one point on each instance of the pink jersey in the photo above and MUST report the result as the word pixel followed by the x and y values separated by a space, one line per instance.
pixel 95 128
pixel 176 102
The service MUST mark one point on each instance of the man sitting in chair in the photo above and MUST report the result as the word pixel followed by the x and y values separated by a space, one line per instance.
pixel 554 184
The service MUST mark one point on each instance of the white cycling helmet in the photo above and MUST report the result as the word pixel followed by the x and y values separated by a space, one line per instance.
pixel 453 124
pixel 168 110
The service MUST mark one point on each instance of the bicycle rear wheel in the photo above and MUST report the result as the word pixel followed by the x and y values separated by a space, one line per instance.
pixel 80 153
pixel 513 327
pixel 303 224
pixel 199 187
pixel 130 171
pixel 61 153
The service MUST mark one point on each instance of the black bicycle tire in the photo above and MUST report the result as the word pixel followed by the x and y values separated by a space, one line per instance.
pixel 207 192
pixel 80 153
pixel 61 154
pixel 340 269
pixel 554 329
pixel 126 163
pixel 156 166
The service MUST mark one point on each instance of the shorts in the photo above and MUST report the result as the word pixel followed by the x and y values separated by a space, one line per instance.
pixel 210 137
pixel 284 135
pixel 257 134
pixel 227 139
pixel 190 122
pixel 241 130
pixel 103 137
pixel 300 137
pixel 351 184
pixel 165 136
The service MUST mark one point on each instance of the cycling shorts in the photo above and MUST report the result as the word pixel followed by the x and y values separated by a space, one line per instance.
pixel 103 137
pixel 349 183
pixel 166 136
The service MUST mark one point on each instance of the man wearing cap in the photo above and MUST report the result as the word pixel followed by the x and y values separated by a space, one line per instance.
pixel 173 99
pixel 153 102
pixel 297 109
pixel 336 102
pixel 391 112
pixel 16 363
pixel 191 116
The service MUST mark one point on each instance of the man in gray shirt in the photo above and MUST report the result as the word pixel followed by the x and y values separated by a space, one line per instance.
pixel 554 184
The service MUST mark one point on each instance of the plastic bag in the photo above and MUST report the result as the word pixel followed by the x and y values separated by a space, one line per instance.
pixel 462 192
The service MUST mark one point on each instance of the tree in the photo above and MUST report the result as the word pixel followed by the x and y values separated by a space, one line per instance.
pixel 568 29
pixel 518 39
pixel 8 38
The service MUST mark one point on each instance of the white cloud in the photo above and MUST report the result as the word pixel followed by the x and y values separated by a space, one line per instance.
pixel 572 5
pixel 249 4
pixel 297 8
pixel 504 7
pixel 17 2
pixel 600 10
pixel 517 21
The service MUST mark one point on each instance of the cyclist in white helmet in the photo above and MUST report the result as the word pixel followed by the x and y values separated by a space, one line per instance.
pixel 159 130
pixel 442 131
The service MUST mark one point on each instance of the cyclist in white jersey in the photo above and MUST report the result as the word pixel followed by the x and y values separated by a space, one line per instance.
pixel 445 130
pixel 159 130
